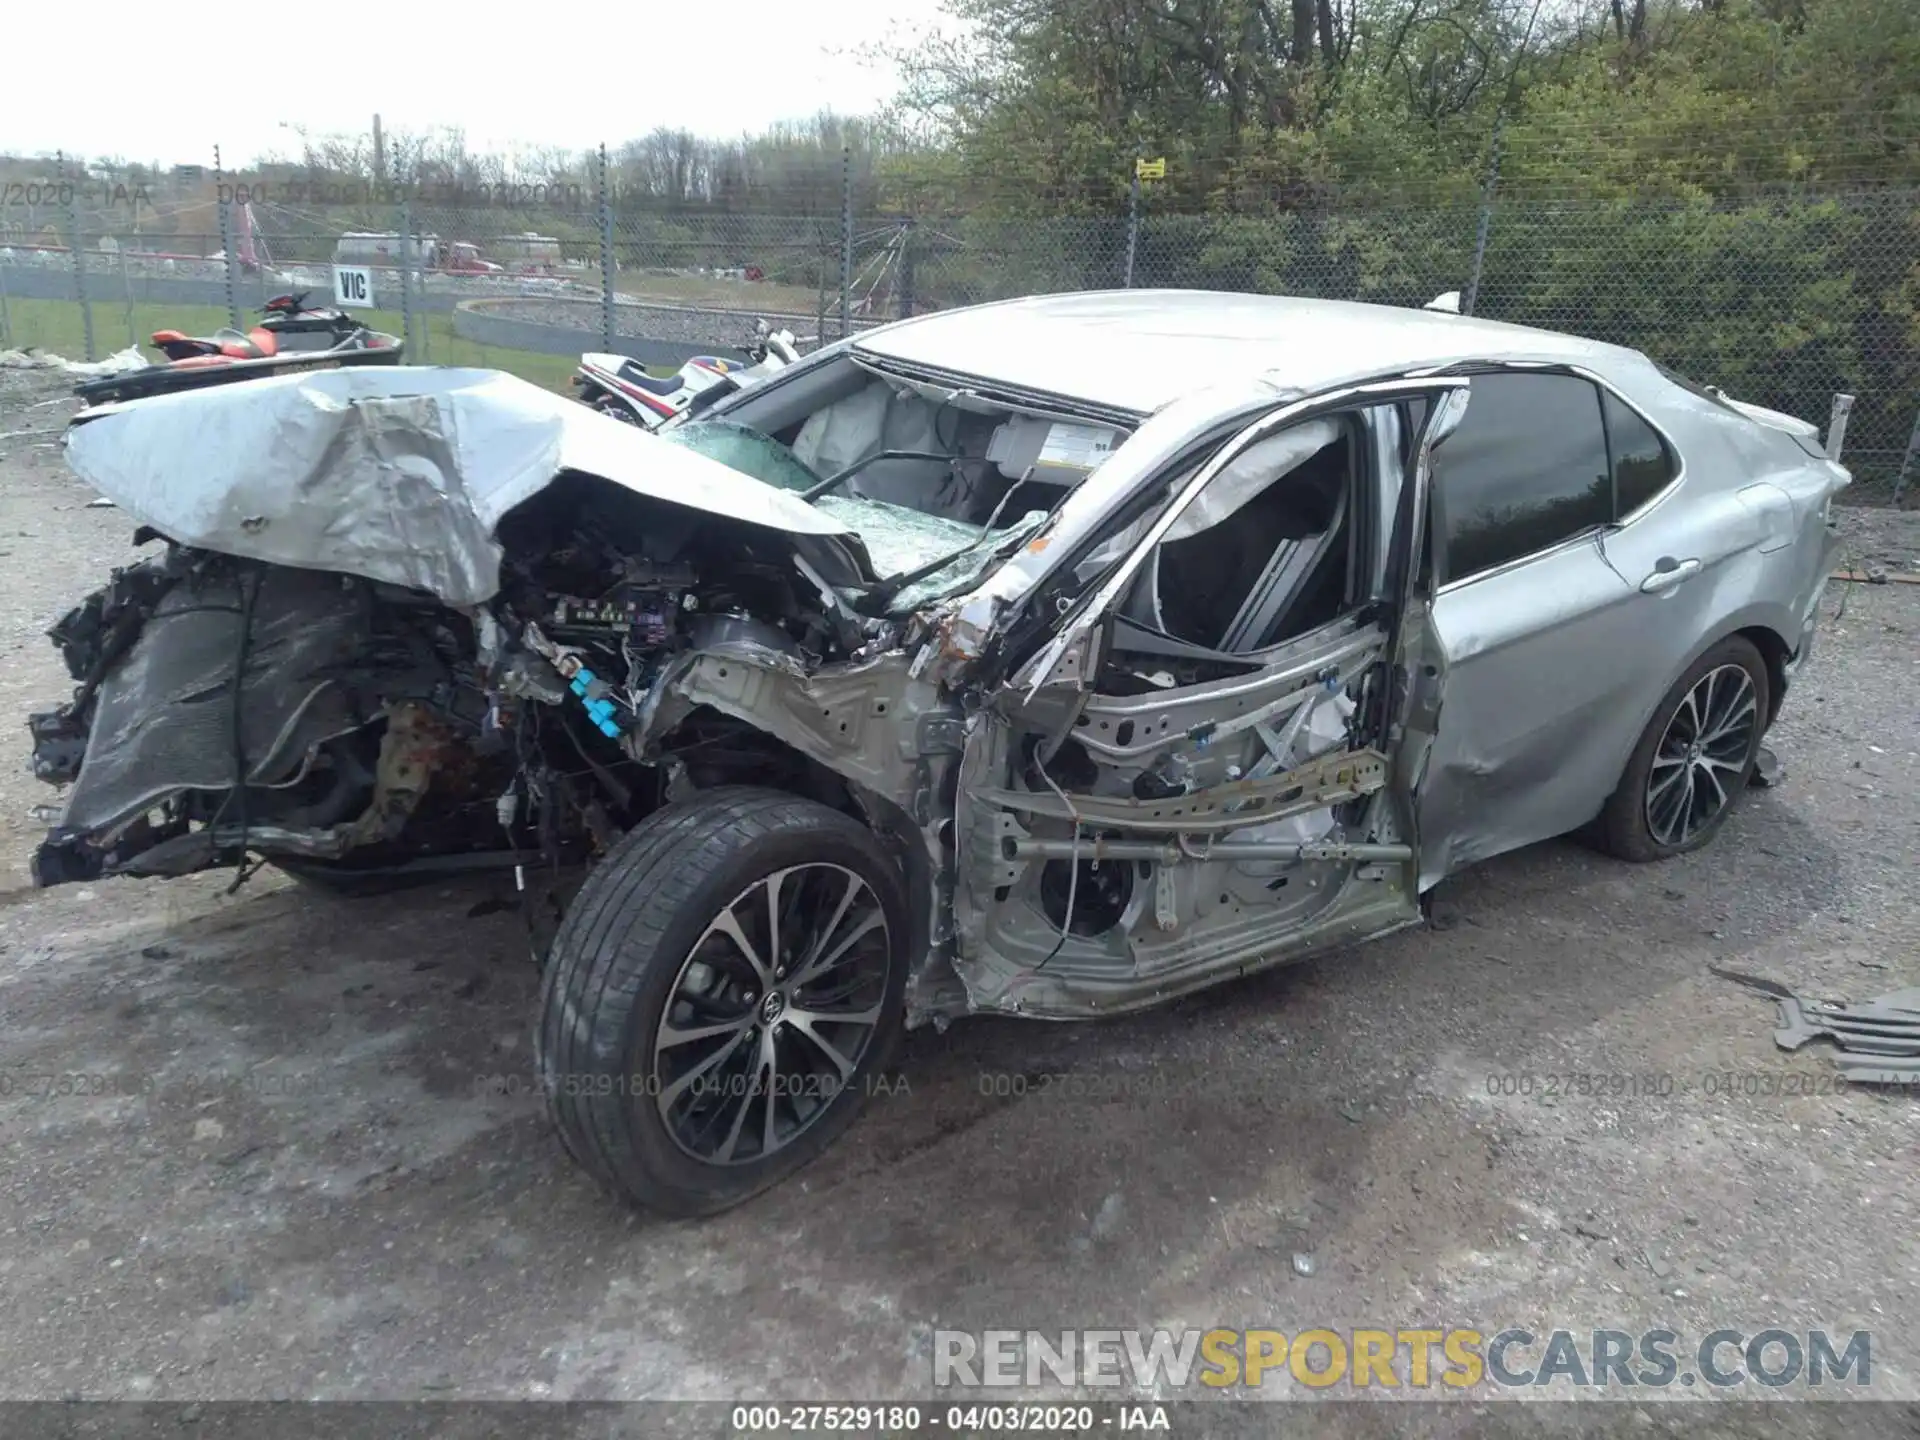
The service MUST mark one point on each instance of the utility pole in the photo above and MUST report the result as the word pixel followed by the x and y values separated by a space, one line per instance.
pixel 1472 297
pixel 379 152
pixel 846 239
pixel 1143 171
pixel 1906 462
pixel 605 201
pixel 224 208
pixel 1133 222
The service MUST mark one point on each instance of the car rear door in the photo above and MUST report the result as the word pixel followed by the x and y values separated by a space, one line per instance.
pixel 1694 553
pixel 1538 649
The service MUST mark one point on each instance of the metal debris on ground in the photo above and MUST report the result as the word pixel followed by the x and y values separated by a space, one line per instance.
pixel 1879 1040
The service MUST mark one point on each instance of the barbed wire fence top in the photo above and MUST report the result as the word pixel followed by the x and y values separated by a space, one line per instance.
pixel 1778 295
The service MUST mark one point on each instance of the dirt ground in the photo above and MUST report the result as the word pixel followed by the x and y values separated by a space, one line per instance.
pixel 314 1167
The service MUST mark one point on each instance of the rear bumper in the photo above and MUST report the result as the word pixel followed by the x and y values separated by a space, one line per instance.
pixel 1810 612
pixel 1803 651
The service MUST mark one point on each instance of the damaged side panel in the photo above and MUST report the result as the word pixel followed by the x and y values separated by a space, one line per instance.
pixel 888 734
pixel 1116 849
pixel 161 724
pixel 1130 828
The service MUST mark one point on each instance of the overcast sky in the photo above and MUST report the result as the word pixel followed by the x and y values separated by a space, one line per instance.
pixel 147 82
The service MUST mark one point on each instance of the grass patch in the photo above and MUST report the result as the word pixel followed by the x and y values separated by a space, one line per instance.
pixel 57 327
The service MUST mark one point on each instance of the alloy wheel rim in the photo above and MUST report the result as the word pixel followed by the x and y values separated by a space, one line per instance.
pixel 1703 755
pixel 772 1011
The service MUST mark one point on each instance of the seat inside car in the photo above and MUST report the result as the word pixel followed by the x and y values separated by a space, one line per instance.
pixel 1265 567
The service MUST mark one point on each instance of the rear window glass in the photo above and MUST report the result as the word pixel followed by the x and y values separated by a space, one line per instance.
pixel 1526 470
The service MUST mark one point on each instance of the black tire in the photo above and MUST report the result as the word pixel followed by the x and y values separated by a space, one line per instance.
pixel 627 943
pixel 1625 828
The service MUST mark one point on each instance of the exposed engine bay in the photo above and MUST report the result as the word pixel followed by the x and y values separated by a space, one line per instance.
pixel 378 729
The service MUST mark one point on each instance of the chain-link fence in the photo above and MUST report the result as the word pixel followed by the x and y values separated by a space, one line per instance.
pixel 1778 300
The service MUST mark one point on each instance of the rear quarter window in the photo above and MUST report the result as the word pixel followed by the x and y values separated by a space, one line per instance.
pixel 1527 469
pixel 1642 464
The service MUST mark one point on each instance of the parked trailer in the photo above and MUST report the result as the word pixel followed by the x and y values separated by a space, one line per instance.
pixel 528 251
pixel 370 248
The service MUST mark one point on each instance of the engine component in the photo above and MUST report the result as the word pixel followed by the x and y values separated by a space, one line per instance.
pixel 1100 898
pixel 59 745
pixel 530 677
pixel 593 693
pixel 1168 776
pixel 645 618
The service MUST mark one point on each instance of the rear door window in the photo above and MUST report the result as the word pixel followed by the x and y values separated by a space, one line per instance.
pixel 1527 469
pixel 1642 464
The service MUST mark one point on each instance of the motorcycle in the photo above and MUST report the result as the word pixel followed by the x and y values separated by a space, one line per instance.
pixel 289 336
pixel 620 387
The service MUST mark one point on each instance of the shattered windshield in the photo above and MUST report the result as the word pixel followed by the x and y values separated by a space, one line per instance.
pixel 742 448
pixel 899 539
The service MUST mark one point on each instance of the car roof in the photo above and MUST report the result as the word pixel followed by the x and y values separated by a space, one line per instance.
pixel 1139 349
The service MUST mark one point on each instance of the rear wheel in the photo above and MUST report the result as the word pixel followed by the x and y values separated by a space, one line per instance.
pixel 724 987
pixel 1694 759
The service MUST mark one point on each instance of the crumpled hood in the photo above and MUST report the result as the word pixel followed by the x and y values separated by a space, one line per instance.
pixel 396 473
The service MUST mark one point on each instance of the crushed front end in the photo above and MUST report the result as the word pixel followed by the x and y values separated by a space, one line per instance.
pixel 522 662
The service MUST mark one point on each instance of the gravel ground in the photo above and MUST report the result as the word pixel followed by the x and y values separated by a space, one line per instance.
pixel 1879 539
pixel 316 1170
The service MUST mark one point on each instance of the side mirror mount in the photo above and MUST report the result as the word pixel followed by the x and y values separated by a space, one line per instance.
pixel 1449 410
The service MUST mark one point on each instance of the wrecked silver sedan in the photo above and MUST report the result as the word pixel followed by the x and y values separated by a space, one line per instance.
pixel 980 664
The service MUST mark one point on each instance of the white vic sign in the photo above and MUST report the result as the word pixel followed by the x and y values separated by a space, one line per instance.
pixel 353 285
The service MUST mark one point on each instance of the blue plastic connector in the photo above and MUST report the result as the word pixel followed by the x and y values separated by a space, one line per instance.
pixel 599 710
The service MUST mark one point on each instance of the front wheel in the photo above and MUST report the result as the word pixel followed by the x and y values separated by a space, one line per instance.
pixel 724 988
pixel 1694 759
